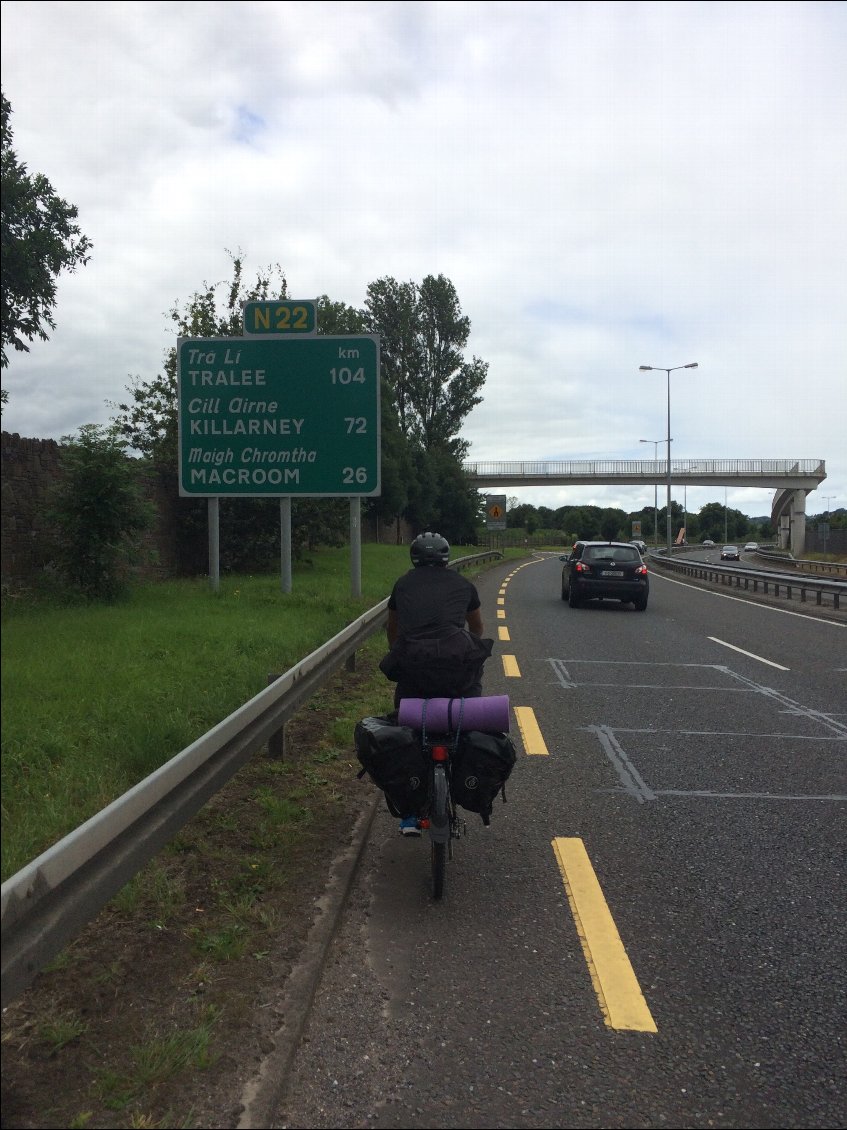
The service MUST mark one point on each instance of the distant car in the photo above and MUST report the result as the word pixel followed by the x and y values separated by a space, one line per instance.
pixel 601 570
pixel 641 546
pixel 730 553
pixel 751 547
pixel 708 544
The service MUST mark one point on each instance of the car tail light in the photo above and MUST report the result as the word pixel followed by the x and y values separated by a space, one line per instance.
pixel 582 568
pixel 641 571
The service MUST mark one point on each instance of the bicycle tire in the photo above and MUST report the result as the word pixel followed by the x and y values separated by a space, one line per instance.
pixel 441 819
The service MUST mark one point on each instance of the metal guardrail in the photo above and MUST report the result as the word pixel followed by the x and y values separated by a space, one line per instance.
pixel 837 568
pixel 48 902
pixel 789 586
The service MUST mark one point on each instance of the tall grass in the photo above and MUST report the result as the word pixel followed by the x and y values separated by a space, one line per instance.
pixel 96 698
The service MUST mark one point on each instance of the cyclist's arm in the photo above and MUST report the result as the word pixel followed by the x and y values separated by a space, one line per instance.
pixel 391 629
pixel 474 619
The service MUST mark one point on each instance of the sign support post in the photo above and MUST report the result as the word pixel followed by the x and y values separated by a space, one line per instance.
pixel 285 544
pixel 214 520
pixel 355 547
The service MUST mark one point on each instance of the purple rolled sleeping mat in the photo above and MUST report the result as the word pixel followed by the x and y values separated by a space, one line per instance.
pixel 490 714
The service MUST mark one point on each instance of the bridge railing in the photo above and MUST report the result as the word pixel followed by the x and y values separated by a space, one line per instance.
pixel 764 467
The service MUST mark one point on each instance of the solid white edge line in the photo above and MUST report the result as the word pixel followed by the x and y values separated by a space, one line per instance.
pixel 750 603
pixel 749 654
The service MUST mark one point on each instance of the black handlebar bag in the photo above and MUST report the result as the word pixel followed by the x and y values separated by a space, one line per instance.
pixel 443 663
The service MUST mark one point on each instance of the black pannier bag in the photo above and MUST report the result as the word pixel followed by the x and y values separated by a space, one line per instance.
pixel 393 758
pixel 480 767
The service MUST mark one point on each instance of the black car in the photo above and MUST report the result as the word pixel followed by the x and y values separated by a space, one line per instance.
pixel 730 553
pixel 600 570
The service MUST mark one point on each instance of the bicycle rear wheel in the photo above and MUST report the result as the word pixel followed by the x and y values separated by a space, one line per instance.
pixel 439 830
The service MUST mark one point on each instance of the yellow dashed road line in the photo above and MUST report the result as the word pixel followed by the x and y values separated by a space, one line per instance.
pixel 621 1000
pixel 618 992
pixel 533 742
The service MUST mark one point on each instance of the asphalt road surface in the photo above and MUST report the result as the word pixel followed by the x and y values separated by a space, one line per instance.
pixel 652 931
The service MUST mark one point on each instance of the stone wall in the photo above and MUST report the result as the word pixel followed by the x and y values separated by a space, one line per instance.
pixel 29 468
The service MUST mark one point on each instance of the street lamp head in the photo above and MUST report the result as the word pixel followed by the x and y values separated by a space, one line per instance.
pixel 648 368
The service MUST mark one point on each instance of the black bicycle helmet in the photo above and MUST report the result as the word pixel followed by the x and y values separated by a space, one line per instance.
pixel 429 549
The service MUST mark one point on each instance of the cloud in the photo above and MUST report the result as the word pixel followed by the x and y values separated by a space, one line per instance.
pixel 606 185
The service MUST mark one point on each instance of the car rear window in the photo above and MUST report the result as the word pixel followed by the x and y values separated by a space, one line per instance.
pixel 611 553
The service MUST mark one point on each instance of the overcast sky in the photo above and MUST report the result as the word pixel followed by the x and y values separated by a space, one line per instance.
pixel 605 184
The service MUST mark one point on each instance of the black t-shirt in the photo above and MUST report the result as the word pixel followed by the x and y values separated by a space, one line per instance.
pixel 430 597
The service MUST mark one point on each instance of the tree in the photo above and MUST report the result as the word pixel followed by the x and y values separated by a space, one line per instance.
pixel 100 512
pixel 584 521
pixel 521 515
pixel 442 497
pixel 717 522
pixel 613 524
pixel 391 313
pixel 149 421
pixel 422 336
pixel 40 239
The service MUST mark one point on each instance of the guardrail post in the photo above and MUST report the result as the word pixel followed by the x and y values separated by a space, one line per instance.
pixel 276 742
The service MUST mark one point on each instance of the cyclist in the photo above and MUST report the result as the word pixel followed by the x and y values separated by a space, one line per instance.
pixel 434 632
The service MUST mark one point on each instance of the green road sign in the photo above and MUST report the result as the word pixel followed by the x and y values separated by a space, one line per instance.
pixel 281 316
pixel 278 416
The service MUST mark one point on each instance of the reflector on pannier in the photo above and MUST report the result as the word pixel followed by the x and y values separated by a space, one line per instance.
pixel 481 765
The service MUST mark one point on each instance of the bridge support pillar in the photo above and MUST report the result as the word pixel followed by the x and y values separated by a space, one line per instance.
pixel 792 525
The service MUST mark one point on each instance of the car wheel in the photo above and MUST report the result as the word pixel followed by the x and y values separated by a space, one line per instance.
pixel 640 604
pixel 573 599
pixel 564 593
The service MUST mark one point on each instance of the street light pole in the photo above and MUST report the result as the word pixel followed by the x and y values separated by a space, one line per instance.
pixel 662 369
pixel 655 443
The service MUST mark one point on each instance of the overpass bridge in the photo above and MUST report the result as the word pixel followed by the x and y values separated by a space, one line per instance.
pixel 790 479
